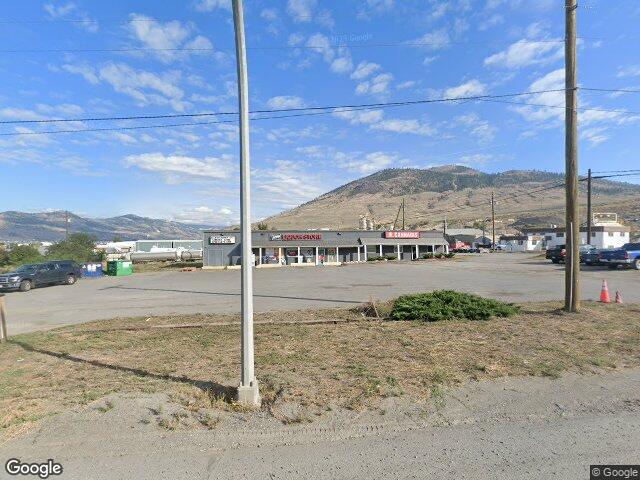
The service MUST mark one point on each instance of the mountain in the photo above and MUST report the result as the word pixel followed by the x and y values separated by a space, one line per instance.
pixel 50 226
pixel 461 194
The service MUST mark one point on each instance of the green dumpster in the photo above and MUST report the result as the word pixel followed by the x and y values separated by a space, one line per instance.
pixel 118 268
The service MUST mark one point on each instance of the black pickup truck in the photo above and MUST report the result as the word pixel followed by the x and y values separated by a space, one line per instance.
pixel 628 255
pixel 556 254
pixel 26 277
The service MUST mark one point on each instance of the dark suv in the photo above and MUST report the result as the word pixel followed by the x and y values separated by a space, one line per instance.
pixel 26 277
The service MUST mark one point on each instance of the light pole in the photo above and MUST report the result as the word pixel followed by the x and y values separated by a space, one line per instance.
pixel 248 393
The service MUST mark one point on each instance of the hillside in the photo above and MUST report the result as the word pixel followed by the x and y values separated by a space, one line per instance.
pixel 461 194
pixel 50 226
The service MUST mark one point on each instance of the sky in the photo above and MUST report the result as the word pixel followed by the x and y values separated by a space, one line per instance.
pixel 86 59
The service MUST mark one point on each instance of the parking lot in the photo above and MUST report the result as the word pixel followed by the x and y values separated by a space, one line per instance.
pixel 513 277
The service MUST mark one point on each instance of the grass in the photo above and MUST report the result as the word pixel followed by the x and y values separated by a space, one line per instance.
pixel 352 364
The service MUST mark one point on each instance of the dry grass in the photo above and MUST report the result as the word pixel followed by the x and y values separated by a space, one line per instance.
pixel 352 364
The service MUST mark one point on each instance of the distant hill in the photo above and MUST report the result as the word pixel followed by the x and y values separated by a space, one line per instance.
pixel 50 226
pixel 461 194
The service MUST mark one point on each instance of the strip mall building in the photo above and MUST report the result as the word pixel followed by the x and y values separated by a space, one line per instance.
pixel 319 247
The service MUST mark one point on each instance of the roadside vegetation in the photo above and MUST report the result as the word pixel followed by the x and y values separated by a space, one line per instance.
pixel 78 247
pixel 318 360
pixel 449 305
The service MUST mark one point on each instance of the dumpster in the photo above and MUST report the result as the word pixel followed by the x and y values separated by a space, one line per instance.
pixel 118 268
pixel 92 270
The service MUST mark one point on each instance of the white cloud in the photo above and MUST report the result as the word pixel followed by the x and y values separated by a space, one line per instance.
pixel 143 86
pixel 364 69
pixel 285 101
pixel 365 164
pixel 595 136
pixel 86 71
pixel 356 117
pixel 179 168
pixel 525 53
pixel 281 185
pixel 629 71
pixel 70 10
pixel 468 89
pixel 398 125
pixel 436 40
pixel 301 10
pixel 342 65
pixel 478 127
pixel 211 5
pixel 206 215
pixel 166 38
pixel 378 85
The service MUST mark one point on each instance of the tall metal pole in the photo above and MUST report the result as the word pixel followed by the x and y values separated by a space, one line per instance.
pixel 248 393
pixel 572 222
pixel 589 213
pixel 493 223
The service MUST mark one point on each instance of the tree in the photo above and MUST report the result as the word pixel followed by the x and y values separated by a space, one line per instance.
pixel 117 238
pixel 79 247
pixel 262 226
pixel 4 257
pixel 21 254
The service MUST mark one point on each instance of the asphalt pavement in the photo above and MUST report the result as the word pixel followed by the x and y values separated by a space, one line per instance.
pixel 512 277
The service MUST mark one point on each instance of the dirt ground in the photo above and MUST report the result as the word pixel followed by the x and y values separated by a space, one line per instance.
pixel 308 363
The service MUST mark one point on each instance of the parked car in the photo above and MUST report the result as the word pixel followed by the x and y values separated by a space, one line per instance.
pixel 628 255
pixel 556 254
pixel 584 251
pixel 26 277
pixel 591 257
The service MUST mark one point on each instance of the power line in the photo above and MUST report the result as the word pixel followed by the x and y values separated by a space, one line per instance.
pixel 273 47
pixel 542 105
pixel 610 90
pixel 310 110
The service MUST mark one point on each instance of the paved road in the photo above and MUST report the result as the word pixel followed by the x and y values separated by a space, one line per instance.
pixel 505 429
pixel 507 276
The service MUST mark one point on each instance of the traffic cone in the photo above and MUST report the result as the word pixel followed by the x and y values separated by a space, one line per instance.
pixel 604 294
pixel 618 297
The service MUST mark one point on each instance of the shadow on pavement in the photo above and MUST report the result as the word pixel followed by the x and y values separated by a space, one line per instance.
pixel 333 300
pixel 216 389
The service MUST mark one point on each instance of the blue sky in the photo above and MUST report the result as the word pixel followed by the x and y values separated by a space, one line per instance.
pixel 301 53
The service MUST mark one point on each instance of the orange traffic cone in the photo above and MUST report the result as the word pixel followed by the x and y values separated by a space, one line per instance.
pixel 618 297
pixel 604 294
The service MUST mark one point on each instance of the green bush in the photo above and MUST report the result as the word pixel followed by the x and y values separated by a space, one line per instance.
pixel 427 256
pixel 439 255
pixel 21 254
pixel 79 247
pixel 390 257
pixel 449 305
pixel 450 255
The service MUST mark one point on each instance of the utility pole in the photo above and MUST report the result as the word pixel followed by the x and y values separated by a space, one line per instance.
pixel 444 227
pixel 248 393
pixel 572 222
pixel 493 223
pixel 589 213
pixel 402 213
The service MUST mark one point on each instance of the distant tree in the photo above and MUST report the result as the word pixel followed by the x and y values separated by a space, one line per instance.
pixel 117 238
pixel 4 256
pixel 21 254
pixel 262 226
pixel 79 247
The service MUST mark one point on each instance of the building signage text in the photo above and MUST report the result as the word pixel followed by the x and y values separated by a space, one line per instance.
pixel 219 240
pixel 295 236
pixel 396 234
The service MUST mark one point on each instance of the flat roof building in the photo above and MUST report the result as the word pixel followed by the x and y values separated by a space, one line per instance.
pixel 318 247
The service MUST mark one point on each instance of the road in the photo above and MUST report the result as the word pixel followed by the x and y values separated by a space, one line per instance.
pixel 507 276
pixel 533 428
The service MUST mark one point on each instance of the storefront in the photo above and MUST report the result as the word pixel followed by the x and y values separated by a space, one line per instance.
pixel 319 247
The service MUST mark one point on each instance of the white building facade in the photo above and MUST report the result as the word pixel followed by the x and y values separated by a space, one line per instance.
pixel 602 236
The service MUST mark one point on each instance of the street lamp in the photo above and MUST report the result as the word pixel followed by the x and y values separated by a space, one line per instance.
pixel 248 393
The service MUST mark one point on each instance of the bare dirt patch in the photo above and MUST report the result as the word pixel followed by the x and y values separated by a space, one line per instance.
pixel 308 362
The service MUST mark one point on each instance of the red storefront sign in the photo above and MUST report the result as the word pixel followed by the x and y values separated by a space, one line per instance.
pixel 396 234
pixel 299 236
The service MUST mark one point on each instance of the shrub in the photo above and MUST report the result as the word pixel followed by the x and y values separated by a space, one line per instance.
pixel 449 305
pixel 79 247
pixel 439 255
pixel 21 254
pixel 450 255
pixel 390 257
